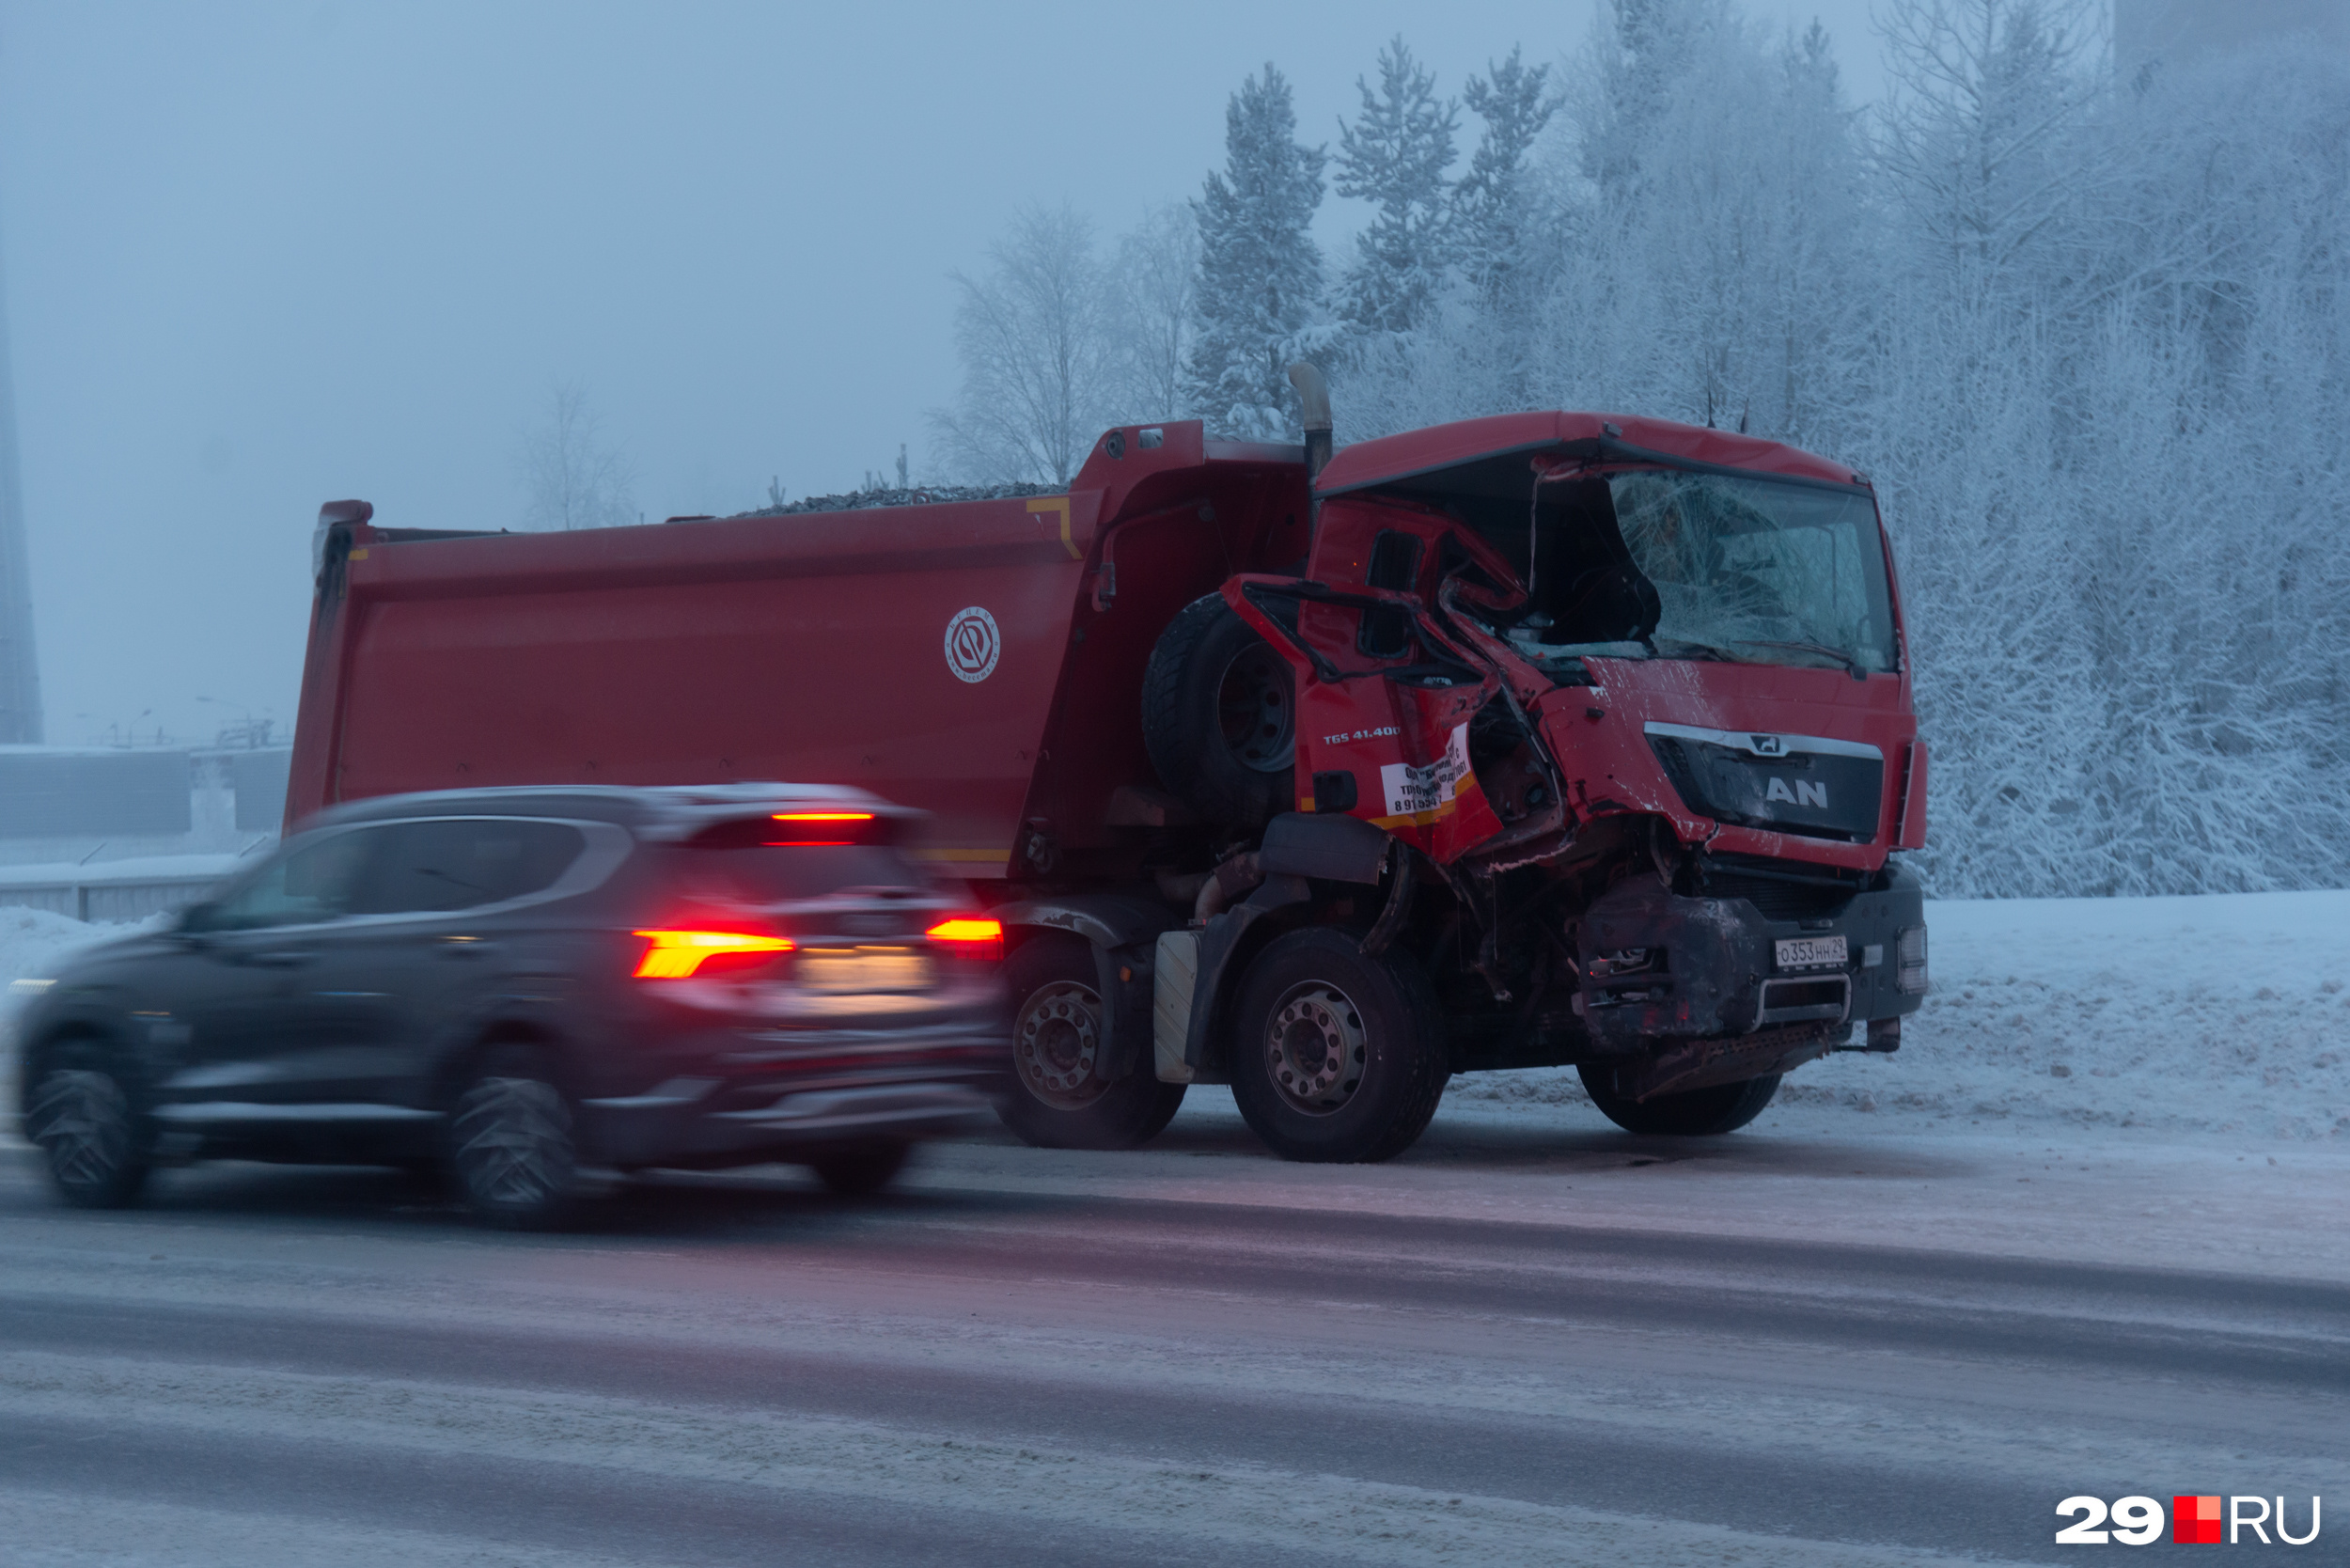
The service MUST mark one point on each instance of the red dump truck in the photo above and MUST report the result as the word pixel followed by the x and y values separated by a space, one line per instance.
pixel 1538 739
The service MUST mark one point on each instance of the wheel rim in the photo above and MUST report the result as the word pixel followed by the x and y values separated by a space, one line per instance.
pixel 513 1143
pixel 1054 1044
pixel 1252 704
pixel 1314 1048
pixel 82 1120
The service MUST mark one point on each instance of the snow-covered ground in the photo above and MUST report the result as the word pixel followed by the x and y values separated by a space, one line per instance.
pixel 2225 1016
pixel 33 941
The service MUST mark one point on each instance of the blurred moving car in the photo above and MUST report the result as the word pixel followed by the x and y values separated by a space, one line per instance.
pixel 514 985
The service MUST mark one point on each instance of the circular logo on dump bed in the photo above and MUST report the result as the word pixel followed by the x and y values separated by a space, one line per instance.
pixel 973 644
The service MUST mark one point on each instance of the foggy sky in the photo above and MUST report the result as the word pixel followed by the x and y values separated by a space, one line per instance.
pixel 259 257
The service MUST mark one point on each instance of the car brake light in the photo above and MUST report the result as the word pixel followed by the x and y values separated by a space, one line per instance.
pixel 800 825
pixel 681 954
pixel 974 936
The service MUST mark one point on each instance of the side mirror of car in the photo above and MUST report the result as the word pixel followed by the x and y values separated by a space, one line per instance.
pixel 198 918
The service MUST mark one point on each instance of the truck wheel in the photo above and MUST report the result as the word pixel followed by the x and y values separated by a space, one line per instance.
pixel 510 1148
pixel 1217 716
pixel 1336 1056
pixel 858 1169
pixel 1057 1015
pixel 1697 1113
pixel 81 1118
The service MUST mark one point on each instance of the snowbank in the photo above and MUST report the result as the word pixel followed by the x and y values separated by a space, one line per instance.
pixel 33 942
pixel 2226 1015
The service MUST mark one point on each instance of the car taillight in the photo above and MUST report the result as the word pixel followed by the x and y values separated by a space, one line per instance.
pixel 681 954
pixel 970 937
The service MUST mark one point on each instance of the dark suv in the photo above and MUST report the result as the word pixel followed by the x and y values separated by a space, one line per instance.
pixel 514 985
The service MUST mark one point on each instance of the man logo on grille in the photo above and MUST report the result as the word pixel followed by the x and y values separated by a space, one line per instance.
pixel 973 644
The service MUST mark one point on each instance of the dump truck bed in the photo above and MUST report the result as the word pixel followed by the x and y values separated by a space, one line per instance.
pixel 976 659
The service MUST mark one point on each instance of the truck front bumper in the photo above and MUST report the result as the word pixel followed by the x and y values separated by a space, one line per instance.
pixel 1659 967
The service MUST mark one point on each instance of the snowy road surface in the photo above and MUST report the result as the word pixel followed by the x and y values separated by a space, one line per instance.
pixel 1530 1340
pixel 2088 1233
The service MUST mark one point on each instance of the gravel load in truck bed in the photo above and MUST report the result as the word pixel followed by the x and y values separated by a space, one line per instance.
pixel 923 496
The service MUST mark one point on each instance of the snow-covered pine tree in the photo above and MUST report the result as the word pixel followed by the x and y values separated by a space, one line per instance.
pixel 1394 156
pixel 1640 49
pixel 1489 204
pixel 1259 293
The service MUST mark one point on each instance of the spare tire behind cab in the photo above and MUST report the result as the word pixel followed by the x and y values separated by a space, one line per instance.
pixel 1219 716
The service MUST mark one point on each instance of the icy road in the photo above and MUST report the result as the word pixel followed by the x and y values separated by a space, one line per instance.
pixel 1529 1340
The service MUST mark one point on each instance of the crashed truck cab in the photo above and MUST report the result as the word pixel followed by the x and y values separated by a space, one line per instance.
pixel 1635 697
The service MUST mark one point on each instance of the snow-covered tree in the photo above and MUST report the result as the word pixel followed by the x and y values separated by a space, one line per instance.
pixel 1639 51
pixel 1394 156
pixel 1260 294
pixel 2088 339
pixel 1491 222
pixel 1973 136
pixel 1037 372
pixel 576 478
pixel 1154 282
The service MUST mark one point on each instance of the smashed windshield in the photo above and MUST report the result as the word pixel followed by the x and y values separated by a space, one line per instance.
pixel 1757 572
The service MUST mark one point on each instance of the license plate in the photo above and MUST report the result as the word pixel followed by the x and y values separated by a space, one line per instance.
pixel 857 971
pixel 1810 952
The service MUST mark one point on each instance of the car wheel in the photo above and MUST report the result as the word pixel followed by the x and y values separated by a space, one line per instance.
pixel 1219 716
pixel 1337 1056
pixel 1055 1101
pixel 82 1118
pixel 1695 1113
pixel 511 1153
pixel 862 1169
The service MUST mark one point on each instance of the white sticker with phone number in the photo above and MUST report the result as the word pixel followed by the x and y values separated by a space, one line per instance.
pixel 1428 788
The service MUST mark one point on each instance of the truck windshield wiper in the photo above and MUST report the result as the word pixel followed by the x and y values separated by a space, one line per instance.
pixel 1847 660
pixel 1682 648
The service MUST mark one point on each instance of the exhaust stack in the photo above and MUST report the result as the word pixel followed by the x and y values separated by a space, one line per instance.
pixel 1313 395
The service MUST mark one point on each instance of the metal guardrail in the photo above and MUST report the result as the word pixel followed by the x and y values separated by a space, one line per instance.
pixel 106 893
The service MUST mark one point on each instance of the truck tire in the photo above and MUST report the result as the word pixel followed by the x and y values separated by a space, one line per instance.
pixel 1219 716
pixel 81 1116
pixel 1697 1113
pixel 1055 1102
pixel 1336 1056
pixel 511 1155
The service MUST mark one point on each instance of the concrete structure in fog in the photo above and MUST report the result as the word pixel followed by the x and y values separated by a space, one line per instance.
pixel 20 669
pixel 2180 32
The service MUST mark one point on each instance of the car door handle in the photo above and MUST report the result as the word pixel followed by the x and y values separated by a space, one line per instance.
pixel 465 947
pixel 279 959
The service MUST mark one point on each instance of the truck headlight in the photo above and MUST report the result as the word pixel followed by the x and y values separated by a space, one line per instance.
pixel 1909 975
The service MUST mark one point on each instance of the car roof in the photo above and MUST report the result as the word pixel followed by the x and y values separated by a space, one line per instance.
pixel 655 811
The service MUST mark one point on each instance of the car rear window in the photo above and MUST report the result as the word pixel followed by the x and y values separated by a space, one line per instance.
pixel 785 872
pixel 784 858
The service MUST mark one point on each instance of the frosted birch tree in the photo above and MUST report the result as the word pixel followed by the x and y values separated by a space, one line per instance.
pixel 1153 293
pixel 574 477
pixel 1032 334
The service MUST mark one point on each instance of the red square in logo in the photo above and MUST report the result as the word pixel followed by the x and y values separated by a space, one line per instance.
pixel 2195 1521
